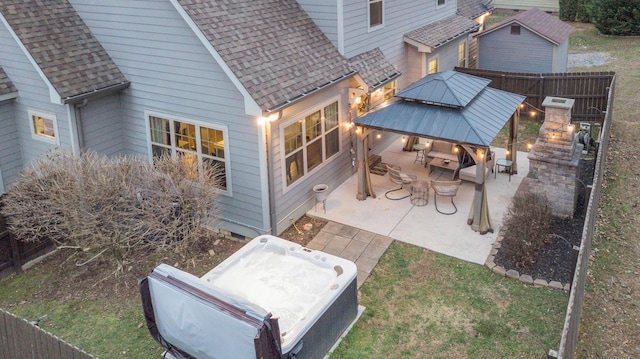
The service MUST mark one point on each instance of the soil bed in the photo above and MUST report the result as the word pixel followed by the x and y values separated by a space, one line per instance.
pixel 556 261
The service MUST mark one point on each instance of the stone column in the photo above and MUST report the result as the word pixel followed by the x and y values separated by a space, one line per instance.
pixel 553 160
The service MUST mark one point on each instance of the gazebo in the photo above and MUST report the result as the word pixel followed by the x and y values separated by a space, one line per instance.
pixel 449 106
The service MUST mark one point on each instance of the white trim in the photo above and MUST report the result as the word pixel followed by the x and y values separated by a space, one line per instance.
pixel 73 128
pixel 54 97
pixel 375 27
pixel 251 107
pixel 340 25
pixel 299 116
pixel 50 116
pixel 264 174
pixel 1 183
pixel 438 7
pixel 421 47
pixel 225 135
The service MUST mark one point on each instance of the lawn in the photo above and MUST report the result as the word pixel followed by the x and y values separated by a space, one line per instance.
pixel 419 304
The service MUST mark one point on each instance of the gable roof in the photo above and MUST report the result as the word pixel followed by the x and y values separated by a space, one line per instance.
pixel 538 22
pixel 7 89
pixel 276 51
pixel 477 123
pixel 441 32
pixel 474 8
pixel 374 68
pixel 63 47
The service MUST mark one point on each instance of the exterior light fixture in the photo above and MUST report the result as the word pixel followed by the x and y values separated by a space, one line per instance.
pixel 358 100
pixel 378 136
pixel 404 139
pixel 533 114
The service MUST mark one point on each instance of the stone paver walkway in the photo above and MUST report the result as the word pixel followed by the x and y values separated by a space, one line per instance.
pixel 359 246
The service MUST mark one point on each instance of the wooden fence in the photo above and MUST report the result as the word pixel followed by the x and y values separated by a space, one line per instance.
pixel 20 339
pixel 588 89
pixel 15 253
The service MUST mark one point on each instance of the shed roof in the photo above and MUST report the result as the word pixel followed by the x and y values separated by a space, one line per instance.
pixel 538 22
pixel 442 32
pixel 374 68
pixel 474 8
pixel 272 46
pixel 477 123
pixel 7 89
pixel 62 46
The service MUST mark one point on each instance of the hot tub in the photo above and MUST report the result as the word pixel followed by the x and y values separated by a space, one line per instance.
pixel 312 294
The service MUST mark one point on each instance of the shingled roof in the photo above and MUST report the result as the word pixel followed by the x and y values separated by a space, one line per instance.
pixel 7 90
pixel 442 32
pixel 374 68
pixel 539 22
pixel 64 48
pixel 273 47
pixel 474 8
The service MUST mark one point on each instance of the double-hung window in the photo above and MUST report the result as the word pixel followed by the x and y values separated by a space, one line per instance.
pixel 199 142
pixel 432 66
pixel 462 54
pixel 43 126
pixel 376 13
pixel 310 141
pixel 389 90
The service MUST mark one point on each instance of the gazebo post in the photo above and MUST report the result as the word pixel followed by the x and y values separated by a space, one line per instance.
pixel 360 151
pixel 512 146
pixel 477 197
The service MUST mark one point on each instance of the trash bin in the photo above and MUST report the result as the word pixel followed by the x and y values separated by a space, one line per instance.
pixel 321 195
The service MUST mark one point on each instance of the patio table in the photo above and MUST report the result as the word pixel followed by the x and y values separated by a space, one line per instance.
pixel 505 164
pixel 449 165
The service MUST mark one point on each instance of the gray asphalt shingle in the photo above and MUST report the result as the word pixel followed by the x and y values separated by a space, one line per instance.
pixel 374 68
pixel 6 86
pixel 539 22
pixel 441 32
pixel 62 45
pixel 474 8
pixel 272 46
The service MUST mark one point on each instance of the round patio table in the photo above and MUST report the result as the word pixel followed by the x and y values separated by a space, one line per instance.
pixel 419 193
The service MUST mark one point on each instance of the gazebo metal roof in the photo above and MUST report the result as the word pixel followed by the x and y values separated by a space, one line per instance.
pixel 451 106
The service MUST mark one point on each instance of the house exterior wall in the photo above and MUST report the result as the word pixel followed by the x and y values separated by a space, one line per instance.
pixel 544 5
pixel 33 96
pixel 527 52
pixel 294 200
pixel 10 151
pixel 325 15
pixel 172 74
pixel 101 125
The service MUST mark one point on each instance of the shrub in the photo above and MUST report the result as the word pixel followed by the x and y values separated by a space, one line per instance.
pixel 527 228
pixel 112 208
pixel 615 17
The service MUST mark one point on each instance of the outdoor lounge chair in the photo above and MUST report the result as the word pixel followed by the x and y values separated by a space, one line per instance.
pixel 445 189
pixel 396 176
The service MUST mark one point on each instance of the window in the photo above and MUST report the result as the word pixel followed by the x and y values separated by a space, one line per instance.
pixel 362 103
pixel 375 13
pixel 441 2
pixel 310 141
pixel 205 144
pixel 515 29
pixel 43 126
pixel 433 66
pixel 389 90
pixel 462 54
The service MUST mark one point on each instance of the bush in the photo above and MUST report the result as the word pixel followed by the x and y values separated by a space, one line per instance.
pixel 615 17
pixel 112 208
pixel 527 228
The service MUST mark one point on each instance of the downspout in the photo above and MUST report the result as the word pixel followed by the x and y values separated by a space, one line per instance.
pixel 78 122
pixel 270 179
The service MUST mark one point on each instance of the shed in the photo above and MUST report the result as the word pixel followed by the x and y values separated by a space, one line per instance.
pixel 531 41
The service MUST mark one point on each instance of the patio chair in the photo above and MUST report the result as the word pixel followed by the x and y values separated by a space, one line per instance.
pixel 445 189
pixel 396 176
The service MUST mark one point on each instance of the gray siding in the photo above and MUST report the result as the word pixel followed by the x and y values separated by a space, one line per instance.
pixel 171 72
pixel 10 152
pixel 561 56
pixel 33 94
pixel 400 17
pixel 102 125
pixel 295 200
pixel 325 15
pixel 527 52
pixel 544 5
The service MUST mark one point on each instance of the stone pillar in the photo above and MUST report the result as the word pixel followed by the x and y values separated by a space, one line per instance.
pixel 553 160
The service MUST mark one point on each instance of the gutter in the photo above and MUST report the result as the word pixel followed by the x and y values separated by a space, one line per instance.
pixel 96 93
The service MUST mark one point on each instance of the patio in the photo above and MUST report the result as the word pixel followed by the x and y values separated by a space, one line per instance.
pixel 423 226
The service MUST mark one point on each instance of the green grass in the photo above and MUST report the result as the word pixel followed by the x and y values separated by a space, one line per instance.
pixel 424 305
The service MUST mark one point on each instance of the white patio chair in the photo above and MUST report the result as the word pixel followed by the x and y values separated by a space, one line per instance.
pixel 396 176
pixel 445 189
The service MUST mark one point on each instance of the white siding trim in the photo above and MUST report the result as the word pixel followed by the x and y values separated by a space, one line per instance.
pixel 73 128
pixel 264 174
pixel 54 97
pixel 340 25
pixel 1 182
pixel 251 107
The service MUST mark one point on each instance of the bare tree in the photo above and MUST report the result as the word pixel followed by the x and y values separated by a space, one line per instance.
pixel 114 207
